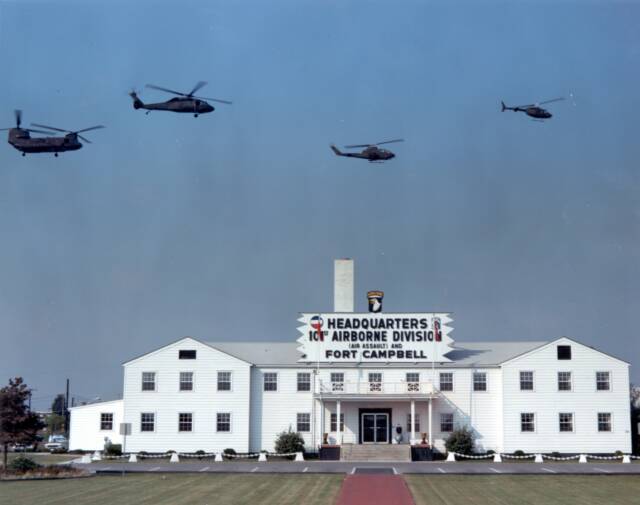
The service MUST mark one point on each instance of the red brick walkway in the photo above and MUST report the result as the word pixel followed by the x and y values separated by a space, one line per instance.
pixel 374 490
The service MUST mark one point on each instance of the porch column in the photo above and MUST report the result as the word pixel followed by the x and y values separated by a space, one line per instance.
pixel 338 425
pixel 430 425
pixel 413 422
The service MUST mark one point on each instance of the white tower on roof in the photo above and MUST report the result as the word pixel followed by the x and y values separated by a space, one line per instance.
pixel 343 285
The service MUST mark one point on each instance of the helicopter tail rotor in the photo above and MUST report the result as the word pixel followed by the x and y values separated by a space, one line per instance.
pixel 336 150
pixel 137 103
pixel 18 114
pixel 504 107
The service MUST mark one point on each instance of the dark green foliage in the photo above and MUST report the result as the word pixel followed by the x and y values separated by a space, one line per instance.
pixel 491 451
pixel 113 449
pixel 518 453
pixel 460 440
pixel 200 453
pixel 289 441
pixel 23 464
pixel 230 451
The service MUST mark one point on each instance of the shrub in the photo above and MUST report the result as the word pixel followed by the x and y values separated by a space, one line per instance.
pixel 518 453
pixel 143 454
pixel 200 453
pixel 491 452
pixel 113 449
pixel 232 452
pixel 22 464
pixel 619 454
pixel 460 440
pixel 289 441
pixel 555 454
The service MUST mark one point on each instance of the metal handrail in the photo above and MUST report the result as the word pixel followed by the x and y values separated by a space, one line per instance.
pixel 374 388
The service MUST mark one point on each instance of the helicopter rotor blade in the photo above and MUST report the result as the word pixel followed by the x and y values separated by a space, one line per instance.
pixel 18 114
pixel 89 129
pixel 389 142
pixel 549 101
pixel 212 99
pixel 197 87
pixel 38 131
pixel 352 146
pixel 152 86
pixel 85 139
pixel 50 128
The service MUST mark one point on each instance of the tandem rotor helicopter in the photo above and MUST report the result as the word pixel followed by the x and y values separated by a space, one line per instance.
pixel 21 139
pixel 371 152
pixel 533 110
pixel 184 102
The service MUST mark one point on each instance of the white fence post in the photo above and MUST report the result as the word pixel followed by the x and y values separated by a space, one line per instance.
pixel 86 458
pixel 299 456
pixel 262 457
pixel 133 458
pixel 538 459
pixel 174 458
pixel 626 459
pixel 583 458
pixel 497 458
pixel 96 456
pixel 451 456
pixel 219 457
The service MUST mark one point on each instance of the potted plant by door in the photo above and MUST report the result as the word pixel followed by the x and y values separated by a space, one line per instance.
pixel 327 451
pixel 422 451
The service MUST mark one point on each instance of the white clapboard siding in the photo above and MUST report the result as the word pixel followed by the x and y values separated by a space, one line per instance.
pixel 85 433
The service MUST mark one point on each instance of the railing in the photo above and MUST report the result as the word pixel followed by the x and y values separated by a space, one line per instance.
pixel 376 388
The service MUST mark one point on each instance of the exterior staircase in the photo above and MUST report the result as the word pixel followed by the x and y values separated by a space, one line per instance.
pixel 375 452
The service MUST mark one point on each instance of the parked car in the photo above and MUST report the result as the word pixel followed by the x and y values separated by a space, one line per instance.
pixel 57 443
pixel 22 447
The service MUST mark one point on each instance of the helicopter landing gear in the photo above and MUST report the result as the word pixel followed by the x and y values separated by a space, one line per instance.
pixel 55 154
pixel 195 115
pixel 24 154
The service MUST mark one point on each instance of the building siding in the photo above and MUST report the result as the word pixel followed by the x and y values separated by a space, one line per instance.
pixel 84 430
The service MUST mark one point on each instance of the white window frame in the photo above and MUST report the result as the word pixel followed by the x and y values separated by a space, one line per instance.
pixel 573 422
pixel 473 382
pixel 535 422
pixel 155 382
pixel 106 414
pixel 610 422
pixel 376 388
pixel 453 420
pixel 570 372
pixel 230 422
pixel 298 422
pixel 415 421
pixel 193 382
pixel 533 381
pixel 331 422
pixel 336 386
pixel 193 423
pixel 308 374
pixel 155 423
pixel 453 383
pixel 264 382
pixel 610 381
pixel 230 390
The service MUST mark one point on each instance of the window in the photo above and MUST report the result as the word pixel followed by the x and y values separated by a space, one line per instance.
pixel 413 382
pixel 564 352
pixel 564 381
pixel 526 381
pixel 304 381
pixel 189 354
pixel 303 423
pixel 375 382
pixel 603 382
pixel 446 381
pixel 223 421
pixel 334 416
pixel 147 421
pixel 270 381
pixel 566 421
pixel 604 421
pixel 185 422
pixel 106 421
pixel 337 382
pixel 416 423
pixel 224 381
pixel 186 381
pixel 148 381
pixel 446 422
pixel 527 422
pixel 479 381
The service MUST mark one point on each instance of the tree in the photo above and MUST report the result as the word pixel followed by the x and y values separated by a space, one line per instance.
pixel 18 425
pixel 58 405
pixel 56 423
pixel 635 418
pixel 288 442
pixel 460 441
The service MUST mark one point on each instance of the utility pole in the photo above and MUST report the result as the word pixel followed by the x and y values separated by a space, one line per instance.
pixel 66 410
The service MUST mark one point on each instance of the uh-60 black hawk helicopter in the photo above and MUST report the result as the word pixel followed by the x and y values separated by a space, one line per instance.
pixel 184 102
pixel 21 139
pixel 371 152
pixel 533 110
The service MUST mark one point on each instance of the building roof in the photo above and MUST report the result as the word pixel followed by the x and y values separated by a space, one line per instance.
pixel 464 354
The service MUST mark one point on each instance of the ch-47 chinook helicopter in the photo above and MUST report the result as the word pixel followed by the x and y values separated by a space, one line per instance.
pixel 184 102
pixel 533 110
pixel 21 139
pixel 371 152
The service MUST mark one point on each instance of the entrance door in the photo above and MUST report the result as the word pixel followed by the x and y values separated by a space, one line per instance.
pixel 375 428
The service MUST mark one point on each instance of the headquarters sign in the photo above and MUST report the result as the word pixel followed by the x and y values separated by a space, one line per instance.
pixel 374 337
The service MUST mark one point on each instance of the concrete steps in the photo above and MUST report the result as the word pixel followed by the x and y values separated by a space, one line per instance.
pixel 375 452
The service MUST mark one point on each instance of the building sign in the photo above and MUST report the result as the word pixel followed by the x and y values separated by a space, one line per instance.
pixel 360 337
pixel 375 301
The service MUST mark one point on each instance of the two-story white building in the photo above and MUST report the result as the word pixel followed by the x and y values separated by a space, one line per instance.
pixel 360 379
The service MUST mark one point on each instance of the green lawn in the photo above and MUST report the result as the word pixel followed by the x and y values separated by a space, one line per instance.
pixel 171 489
pixel 524 489
pixel 43 459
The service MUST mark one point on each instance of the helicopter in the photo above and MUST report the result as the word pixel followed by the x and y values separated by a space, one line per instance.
pixel 371 152
pixel 184 102
pixel 533 110
pixel 21 139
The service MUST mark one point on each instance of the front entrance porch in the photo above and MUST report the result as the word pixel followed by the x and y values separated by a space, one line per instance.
pixel 375 426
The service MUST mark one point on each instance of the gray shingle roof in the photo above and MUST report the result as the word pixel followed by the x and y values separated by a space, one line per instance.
pixel 464 354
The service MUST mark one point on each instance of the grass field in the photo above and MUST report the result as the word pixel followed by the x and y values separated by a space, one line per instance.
pixel 195 489
pixel 525 489
pixel 43 459
pixel 173 489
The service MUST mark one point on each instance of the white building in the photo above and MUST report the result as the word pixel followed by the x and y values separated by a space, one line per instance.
pixel 534 396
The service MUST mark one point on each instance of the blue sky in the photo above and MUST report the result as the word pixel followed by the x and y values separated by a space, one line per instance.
pixel 225 226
